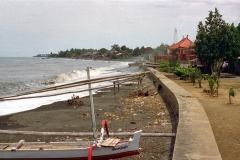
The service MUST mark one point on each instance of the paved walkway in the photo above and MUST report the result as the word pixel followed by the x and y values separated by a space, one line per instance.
pixel 195 139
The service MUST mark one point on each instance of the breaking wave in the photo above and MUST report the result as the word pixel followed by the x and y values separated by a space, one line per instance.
pixel 66 77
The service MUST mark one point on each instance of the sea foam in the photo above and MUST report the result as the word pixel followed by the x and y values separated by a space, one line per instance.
pixel 99 69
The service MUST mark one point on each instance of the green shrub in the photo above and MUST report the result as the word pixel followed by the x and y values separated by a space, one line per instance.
pixel 178 71
pixel 164 66
pixel 213 83
pixel 174 62
pixel 200 78
pixel 231 93
pixel 193 73
pixel 168 66
pixel 188 73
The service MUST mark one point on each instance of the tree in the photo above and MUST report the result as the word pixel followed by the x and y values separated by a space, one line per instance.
pixel 124 48
pixel 238 32
pixel 103 50
pixel 116 47
pixel 136 51
pixel 142 48
pixel 161 49
pixel 216 40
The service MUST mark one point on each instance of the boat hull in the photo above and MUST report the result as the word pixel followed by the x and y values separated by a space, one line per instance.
pixel 114 156
pixel 153 65
pixel 71 150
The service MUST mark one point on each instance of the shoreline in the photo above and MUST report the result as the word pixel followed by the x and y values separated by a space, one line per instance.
pixel 69 76
pixel 123 111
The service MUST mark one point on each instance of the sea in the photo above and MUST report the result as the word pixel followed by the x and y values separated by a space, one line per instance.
pixel 24 74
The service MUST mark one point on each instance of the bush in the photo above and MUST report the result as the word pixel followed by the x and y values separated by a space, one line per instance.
pixel 187 73
pixel 164 66
pixel 213 83
pixel 231 93
pixel 174 62
pixel 178 71
pixel 194 73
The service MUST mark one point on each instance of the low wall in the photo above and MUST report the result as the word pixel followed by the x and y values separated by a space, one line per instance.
pixel 194 138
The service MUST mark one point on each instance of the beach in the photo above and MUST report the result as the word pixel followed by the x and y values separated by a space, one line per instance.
pixel 126 111
pixel 50 73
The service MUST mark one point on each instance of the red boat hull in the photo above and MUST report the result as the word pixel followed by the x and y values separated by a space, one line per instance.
pixel 113 156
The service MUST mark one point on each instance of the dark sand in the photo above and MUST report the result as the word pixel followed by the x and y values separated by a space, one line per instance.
pixel 122 111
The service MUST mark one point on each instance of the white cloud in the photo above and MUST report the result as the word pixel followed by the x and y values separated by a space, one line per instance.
pixel 50 26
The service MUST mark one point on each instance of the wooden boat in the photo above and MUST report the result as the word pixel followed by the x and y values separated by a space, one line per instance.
pixel 135 64
pixel 69 150
pixel 150 64
pixel 98 149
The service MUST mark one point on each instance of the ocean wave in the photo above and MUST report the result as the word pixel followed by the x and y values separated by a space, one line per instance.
pixel 7 88
pixel 56 72
pixel 65 77
pixel 76 75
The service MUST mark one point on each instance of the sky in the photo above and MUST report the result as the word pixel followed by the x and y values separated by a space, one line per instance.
pixel 31 27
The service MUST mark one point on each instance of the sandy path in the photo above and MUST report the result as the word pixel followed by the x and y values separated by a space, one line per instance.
pixel 224 117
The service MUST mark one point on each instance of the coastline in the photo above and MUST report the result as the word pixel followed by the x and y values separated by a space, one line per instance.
pixel 122 111
pixel 59 71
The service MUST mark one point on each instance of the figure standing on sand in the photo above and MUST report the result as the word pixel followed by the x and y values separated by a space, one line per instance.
pixel 139 80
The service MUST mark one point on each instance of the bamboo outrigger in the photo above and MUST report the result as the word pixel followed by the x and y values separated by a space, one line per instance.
pixel 121 79
pixel 99 149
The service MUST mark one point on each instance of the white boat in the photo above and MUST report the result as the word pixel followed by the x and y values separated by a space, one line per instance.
pixel 99 149
pixel 150 64
pixel 69 150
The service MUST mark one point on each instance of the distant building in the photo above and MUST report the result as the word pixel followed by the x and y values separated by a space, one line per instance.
pixel 147 51
pixel 184 49
pixel 117 54
pixel 163 57
pixel 87 55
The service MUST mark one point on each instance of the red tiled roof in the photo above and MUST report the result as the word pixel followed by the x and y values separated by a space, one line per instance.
pixel 184 43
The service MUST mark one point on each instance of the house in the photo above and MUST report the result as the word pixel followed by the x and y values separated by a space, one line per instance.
pixel 87 55
pixel 97 55
pixel 184 50
pixel 120 55
pixel 117 53
pixel 163 57
pixel 147 51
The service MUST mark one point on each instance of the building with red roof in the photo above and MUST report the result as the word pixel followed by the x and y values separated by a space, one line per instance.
pixel 184 50
pixel 185 43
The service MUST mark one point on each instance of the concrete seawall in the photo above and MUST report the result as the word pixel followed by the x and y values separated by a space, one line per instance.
pixel 194 138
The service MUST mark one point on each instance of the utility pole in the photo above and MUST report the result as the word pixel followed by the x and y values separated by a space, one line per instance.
pixel 92 107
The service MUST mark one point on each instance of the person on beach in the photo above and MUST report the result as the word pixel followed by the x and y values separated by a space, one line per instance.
pixel 139 80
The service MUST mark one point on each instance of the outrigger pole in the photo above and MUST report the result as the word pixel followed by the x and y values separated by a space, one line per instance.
pixel 92 107
pixel 74 84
